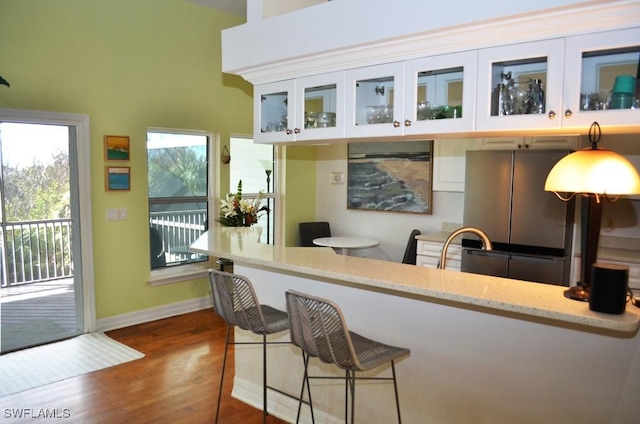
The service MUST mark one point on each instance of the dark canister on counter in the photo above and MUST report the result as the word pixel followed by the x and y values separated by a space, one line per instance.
pixel 609 288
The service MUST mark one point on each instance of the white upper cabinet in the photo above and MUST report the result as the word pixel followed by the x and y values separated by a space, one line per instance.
pixel 375 100
pixel 414 97
pixel 310 108
pixel 520 86
pixel 593 64
pixel 441 94
pixel 564 83
pixel 553 86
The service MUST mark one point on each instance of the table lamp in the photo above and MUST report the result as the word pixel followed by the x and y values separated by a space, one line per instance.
pixel 597 174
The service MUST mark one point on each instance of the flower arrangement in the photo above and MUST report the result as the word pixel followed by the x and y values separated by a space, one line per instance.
pixel 238 212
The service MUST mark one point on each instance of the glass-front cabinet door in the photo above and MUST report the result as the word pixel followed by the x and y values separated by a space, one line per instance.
pixel 439 91
pixel 600 79
pixel 319 107
pixel 273 107
pixel 375 101
pixel 520 86
pixel 310 108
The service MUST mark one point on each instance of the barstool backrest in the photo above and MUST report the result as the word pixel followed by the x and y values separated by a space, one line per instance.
pixel 318 327
pixel 235 301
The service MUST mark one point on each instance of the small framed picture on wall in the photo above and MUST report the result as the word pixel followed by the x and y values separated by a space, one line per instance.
pixel 116 147
pixel 117 178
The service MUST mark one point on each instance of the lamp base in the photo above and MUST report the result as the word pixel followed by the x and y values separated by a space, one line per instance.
pixel 577 293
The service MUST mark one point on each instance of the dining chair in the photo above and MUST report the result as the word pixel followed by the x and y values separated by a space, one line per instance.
pixel 235 301
pixel 411 250
pixel 307 231
pixel 319 329
pixel 157 252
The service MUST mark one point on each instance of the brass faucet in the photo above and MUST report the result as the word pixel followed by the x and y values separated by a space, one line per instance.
pixel 486 243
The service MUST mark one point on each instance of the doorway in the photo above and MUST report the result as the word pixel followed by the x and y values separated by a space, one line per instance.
pixel 43 295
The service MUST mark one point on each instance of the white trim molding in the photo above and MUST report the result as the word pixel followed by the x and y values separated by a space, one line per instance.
pixel 584 18
pixel 153 314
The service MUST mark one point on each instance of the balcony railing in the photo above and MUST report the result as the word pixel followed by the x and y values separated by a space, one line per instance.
pixel 179 230
pixel 37 251
pixel 34 251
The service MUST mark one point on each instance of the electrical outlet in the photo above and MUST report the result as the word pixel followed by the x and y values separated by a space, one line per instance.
pixel 337 178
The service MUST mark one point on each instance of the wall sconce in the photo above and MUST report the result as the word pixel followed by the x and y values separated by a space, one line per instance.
pixel 596 174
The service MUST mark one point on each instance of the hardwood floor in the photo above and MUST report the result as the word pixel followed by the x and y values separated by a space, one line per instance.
pixel 176 382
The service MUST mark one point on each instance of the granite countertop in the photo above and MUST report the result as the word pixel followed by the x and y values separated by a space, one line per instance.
pixel 543 303
pixel 610 248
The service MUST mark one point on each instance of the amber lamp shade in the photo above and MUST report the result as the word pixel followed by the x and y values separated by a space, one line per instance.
pixel 593 171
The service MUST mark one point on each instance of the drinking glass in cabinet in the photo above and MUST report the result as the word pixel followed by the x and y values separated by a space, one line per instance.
pixel 519 87
pixel 609 79
pixel 320 106
pixel 439 94
pixel 374 101
pixel 274 112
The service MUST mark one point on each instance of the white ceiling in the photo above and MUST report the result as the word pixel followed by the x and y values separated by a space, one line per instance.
pixel 233 7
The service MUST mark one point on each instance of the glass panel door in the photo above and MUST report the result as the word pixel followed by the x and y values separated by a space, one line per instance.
pixel 41 288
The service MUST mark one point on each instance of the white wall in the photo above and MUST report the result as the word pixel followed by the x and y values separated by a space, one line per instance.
pixel 620 219
pixel 391 228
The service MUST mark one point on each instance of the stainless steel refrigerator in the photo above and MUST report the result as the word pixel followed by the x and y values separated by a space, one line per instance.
pixel 530 229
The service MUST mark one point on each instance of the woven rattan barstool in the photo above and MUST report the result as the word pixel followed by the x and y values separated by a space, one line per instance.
pixel 235 301
pixel 318 327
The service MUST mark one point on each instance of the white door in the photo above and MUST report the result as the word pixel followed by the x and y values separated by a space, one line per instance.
pixel 42 289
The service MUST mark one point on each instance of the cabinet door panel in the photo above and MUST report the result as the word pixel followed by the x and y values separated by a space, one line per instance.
pixel 375 101
pixel 588 60
pixel 523 62
pixel 273 112
pixel 319 107
pixel 440 94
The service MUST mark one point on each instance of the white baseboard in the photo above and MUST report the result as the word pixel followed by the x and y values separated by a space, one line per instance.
pixel 280 405
pixel 152 314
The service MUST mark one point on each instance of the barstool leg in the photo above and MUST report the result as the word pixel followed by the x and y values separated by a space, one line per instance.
pixel 395 389
pixel 305 380
pixel 264 378
pixel 224 364
pixel 353 396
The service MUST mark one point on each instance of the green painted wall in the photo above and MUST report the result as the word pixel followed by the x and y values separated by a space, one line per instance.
pixel 300 188
pixel 129 65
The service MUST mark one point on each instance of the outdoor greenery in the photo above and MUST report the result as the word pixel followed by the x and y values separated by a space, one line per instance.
pixel 39 192
pixel 177 172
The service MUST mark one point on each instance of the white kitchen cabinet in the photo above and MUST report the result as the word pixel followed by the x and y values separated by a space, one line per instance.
pixel 440 94
pixel 457 93
pixel 415 97
pixel 449 162
pixel 634 271
pixel 375 100
pixel 310 108
pixel 542 142
pixel 577 75
pixel 516 66
pixel 592 62
pixel 428 255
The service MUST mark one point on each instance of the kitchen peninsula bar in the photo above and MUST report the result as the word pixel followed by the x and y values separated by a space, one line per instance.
pixel 483 349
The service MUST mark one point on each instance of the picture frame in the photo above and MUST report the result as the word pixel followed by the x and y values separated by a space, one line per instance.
pixel 390 176
pixel 117 178
pixel 116 147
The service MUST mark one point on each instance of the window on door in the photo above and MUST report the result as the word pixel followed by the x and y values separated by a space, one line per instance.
pixel 179 181
pixel 254 164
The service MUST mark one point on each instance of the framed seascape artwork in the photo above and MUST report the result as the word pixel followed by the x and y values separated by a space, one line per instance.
pixel 116 147
pixel 117 178
pixel 390 176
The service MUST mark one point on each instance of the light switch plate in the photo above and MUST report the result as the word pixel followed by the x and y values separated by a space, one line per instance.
pixel 337 178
